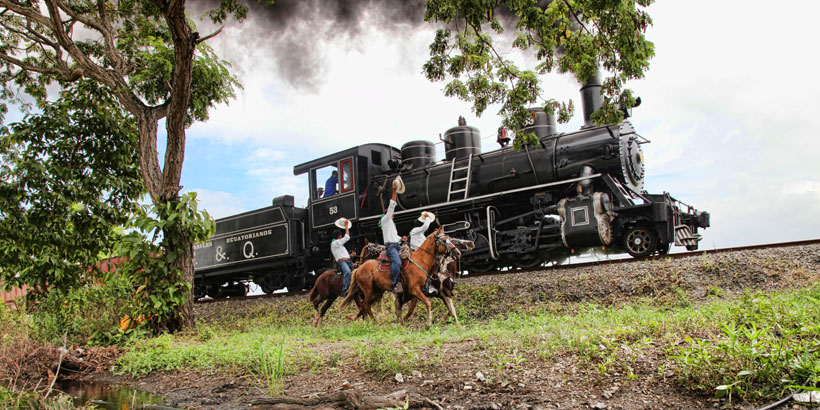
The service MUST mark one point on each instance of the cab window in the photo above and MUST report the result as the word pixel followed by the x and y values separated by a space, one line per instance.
pixel 326 181
pixel 346 181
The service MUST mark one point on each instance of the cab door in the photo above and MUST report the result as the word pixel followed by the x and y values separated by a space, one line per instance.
pixel 338 199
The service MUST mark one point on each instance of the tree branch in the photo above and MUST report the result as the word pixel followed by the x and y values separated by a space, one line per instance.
pixel 66 75
pixel 209 36
pixel 107 32
pixel 27 12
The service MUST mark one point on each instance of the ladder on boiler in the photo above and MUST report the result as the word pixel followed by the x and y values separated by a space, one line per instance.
pixel 463 177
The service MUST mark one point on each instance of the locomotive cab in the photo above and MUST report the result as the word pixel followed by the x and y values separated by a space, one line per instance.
pixel 345 196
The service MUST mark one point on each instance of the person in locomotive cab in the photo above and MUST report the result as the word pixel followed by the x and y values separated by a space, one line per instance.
pixel 392 241
pixel 337 248
pixel 330 184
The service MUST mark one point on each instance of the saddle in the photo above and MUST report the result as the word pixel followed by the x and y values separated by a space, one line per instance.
pixel 384 262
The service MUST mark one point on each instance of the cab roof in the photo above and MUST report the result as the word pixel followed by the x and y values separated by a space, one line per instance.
pixel 363 150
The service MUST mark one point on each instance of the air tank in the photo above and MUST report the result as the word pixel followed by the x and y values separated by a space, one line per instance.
pixel 418 154
pixel 461 141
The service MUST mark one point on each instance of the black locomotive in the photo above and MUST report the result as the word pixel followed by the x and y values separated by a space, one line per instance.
pixel 571 191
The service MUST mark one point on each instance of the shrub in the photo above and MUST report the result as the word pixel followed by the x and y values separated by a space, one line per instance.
pixel 89 314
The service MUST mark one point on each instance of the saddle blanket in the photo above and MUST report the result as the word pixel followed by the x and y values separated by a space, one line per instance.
pixel 384 262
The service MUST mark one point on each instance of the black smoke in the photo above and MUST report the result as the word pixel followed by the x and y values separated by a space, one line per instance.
pixel 291 34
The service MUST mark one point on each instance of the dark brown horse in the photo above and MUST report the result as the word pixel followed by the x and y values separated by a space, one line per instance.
pixel 372 281
pixel 329 285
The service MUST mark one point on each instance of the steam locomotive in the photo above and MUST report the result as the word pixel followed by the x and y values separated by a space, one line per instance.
pixel 522 208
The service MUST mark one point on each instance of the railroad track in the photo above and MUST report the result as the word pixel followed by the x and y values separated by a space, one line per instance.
pixel 569 265
pixel 653 257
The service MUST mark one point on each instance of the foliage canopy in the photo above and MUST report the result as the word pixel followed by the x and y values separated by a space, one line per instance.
pixel 68 181
pixel 564 36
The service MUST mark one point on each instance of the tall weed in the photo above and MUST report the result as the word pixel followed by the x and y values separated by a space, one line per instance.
pixel 268 367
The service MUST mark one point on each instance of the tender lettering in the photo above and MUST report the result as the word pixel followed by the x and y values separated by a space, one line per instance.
pixel 247 236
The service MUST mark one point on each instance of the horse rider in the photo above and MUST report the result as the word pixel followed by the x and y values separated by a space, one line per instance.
pixel 417 234
pixel 337 248
pixel 392 241
pixel 417 237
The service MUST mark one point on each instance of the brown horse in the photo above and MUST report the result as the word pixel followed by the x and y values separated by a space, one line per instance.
pixel 372 282
pixel 442 279
pixel 329 285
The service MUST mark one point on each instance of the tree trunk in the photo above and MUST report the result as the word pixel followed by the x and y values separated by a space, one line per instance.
pixel 184 45
pixel 185 264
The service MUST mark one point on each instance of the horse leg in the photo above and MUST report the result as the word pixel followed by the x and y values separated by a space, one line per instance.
pixel 410 308
pixel 398 305
pixel 320 316
pixel 420 296
pixel 448 301
pixel 358 300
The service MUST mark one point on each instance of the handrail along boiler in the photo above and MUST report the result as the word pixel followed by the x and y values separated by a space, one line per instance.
pixel 522 208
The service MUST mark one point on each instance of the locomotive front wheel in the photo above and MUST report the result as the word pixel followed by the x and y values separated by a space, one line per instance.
pixel 640 241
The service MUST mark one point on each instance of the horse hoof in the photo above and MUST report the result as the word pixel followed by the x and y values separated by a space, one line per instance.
pixel 426 327
pixel 351 318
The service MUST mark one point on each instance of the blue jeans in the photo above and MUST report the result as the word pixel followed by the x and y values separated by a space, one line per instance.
pixel 395 261
pixel 345 266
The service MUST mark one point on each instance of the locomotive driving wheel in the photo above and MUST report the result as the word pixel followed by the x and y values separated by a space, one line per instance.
pixel 527 261
pixel 296 283
pixel 640 241
pixel 481 267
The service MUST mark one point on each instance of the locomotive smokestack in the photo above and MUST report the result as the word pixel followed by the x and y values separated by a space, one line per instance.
pixel 591 98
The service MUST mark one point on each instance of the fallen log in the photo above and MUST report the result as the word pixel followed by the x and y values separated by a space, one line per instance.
pixel 348 399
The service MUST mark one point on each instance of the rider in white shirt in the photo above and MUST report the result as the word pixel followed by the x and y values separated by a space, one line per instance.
pixel 342 257
pixel 417 234
pixel 392 241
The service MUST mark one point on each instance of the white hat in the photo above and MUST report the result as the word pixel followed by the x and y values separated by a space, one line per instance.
pixel 343 223
pixel 400 183
pixel 425 215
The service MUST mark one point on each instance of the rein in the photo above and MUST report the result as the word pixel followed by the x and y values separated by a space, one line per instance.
pixel 438 241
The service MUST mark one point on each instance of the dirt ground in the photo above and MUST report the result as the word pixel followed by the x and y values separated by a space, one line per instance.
pixel 462 379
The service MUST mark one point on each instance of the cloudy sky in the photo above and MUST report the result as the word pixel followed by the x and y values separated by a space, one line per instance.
pixel 728 104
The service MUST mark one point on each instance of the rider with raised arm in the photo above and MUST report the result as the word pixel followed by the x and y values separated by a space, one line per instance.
pixel 392 241
pixel 418 234
pixel 337 248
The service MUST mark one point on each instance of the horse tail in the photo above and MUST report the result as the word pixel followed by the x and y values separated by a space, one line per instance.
pixel 314 292
pixel 354 285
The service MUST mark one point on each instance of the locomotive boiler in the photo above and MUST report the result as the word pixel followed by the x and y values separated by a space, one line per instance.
pixel 570 191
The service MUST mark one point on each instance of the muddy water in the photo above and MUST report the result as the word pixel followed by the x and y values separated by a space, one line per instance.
pixel 111 397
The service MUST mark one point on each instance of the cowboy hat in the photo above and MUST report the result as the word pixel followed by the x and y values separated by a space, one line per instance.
pixel 425 215
pixel 343 223
pixel 399 185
